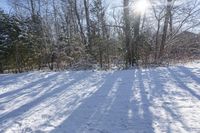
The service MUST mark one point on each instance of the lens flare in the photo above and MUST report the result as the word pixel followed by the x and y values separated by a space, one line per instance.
pixel 141 6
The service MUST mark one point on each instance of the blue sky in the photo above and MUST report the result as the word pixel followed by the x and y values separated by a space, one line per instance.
pixel 112 3
pixel 4 5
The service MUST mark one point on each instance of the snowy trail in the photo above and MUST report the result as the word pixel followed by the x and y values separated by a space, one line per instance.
pixel 160 100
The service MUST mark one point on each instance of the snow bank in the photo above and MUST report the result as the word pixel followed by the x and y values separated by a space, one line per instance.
pixel 134 101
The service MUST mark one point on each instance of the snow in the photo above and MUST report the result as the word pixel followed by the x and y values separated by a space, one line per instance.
pixel 160 100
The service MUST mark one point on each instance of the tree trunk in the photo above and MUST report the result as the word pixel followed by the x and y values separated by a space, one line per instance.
pixel 32 11
pixel 157 42
pixel 136 41
pixel 86 5
pixel 127 33
pixel 79 22
pixel 165 28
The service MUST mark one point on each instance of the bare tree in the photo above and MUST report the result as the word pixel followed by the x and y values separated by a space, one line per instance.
pixel 165 28
pixel 87 14
pixel 127 31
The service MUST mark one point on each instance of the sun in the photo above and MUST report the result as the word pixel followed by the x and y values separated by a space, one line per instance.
pixel 141 6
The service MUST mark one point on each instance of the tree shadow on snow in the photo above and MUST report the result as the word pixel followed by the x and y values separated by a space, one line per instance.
pixel 108 109
pixel 90 105
pixel 142 116
pixel 13 78
pixel 54 90
pixel 158 79
pixel 189 73
pixel 29 86
pixel 182 84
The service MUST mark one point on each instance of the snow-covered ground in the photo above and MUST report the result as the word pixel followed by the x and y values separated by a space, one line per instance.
pixel 160 100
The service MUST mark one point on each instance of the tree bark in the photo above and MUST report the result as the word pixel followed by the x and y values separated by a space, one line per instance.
pixel 165 28
pixel 136 41
pixel 86 5
pixel 127 33
pixel 79 23
pixel 157 41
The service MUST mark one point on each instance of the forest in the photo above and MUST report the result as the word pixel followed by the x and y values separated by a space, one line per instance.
pixel 87 34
